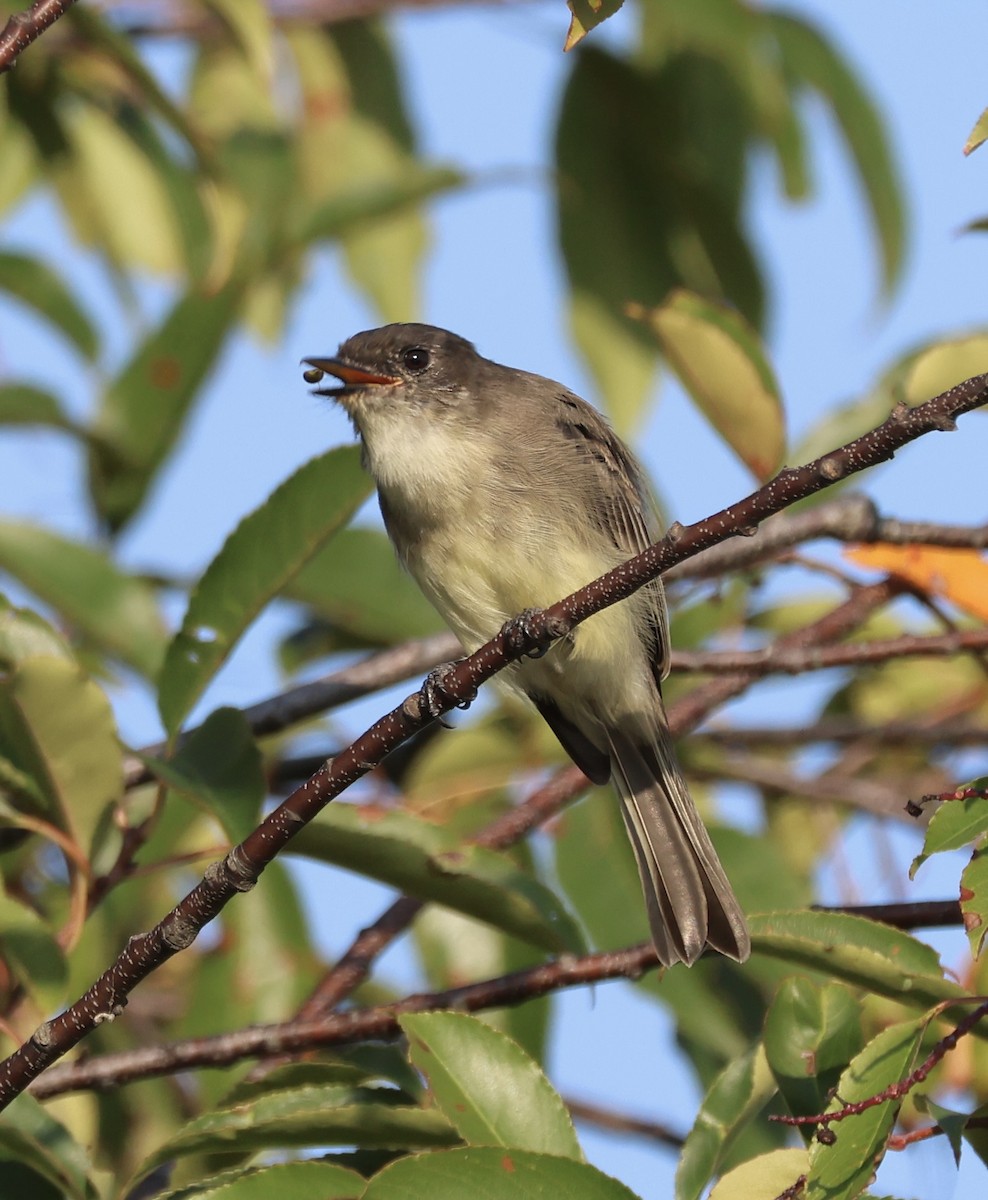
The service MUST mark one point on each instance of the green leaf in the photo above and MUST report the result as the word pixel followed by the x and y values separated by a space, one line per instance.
pixel 311 1180
pixel 356 584
pixel 738 1093
pixel 977 1136
pixel 811 1034
pixel 250 23
pixel 762 1177
pixel 813 62
pixel 220 765
pixel 429 861
pixel 256 562
pixel 365 1064
pixel 487 1086
pixel 845 1167
pixel 587 15
pixel 451 945
pixel 38 286
pixel 978 134
pixel 58 726
pixel 937 367
pixel 951 1122
pixel 114 195
pixel 31 953
pixel 494 1174
pixel 720 361
pixel 35 1139
pixel 376 200
pixel 326 1115
pixel 24 404
pixel 974 900
pixel 650 166
pixel 860 952
pixel 954 824
pixel 24 634
pixel 119 48
pixel 115 612
pixel 143 409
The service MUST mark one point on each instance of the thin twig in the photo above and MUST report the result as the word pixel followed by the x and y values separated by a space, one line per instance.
pixel 894 1091
pixel 617 1122
pixel 775 661
pixel 841 730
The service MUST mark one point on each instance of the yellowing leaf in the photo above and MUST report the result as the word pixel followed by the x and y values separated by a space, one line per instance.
pixel 719 359
pixel 769 1174
pixel 586 15
pixel 941 366
pixel 959 575
pixel 978 134
pixel 116 198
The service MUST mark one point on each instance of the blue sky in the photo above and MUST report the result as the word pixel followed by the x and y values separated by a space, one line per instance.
pixel 484 85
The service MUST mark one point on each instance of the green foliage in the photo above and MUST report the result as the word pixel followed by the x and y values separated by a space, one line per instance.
pixel 207 197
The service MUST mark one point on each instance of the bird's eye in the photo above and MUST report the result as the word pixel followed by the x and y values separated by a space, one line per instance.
pixel 415 358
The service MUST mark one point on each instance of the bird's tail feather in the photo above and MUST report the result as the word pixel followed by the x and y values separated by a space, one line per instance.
pixel 688 897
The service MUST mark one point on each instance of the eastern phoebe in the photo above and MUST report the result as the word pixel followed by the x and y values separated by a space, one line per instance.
pixel 503 491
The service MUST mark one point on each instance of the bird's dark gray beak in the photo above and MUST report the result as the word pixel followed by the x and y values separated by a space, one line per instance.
pixel 349 375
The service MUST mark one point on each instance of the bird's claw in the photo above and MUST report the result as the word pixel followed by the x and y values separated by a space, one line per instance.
pixel 435 691
pixel 520 634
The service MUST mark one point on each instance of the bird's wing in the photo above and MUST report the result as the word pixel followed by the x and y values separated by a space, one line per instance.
pixel 622 508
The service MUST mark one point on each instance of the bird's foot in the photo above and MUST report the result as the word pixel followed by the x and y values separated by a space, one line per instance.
pixel 522 634
pixel 435 691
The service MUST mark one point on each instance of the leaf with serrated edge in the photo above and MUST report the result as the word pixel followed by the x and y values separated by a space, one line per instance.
pixel 845 1167
pixel 858 951
pixel 487 1086
pixel 327 1115
pixel 492 1173
pixel 257 560
pixel 759 1178
pixel 974 900
pixel 310 1180
pixel 954 824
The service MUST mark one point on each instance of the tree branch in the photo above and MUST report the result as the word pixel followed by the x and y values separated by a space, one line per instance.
pixel 616 1122
pixel 841 730
pixel 294 705
pixel 771 660
pixel 241 868
pixel 381 1021
pixel 25 27
pixel 850 518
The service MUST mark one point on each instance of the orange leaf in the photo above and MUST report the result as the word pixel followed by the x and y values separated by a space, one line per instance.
pixel 960 576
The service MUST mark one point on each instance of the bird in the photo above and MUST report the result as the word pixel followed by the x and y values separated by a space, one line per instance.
pixel 502 491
